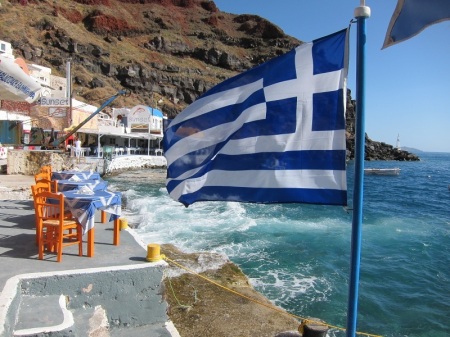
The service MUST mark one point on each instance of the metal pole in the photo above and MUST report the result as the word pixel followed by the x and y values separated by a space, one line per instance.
pixel 98 145
pixel 69 90
pixel 149 132
pixel 361 13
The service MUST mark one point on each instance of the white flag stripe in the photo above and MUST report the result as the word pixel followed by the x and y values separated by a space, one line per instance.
pixel 282 143
pixel 304 64
pixel 328 81
pixel 218 100
pixel 317 84
pixel 206 138
pixel 305 179
pixel 283 90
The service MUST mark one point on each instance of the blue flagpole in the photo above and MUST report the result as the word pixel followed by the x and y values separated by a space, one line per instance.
pixel 361 14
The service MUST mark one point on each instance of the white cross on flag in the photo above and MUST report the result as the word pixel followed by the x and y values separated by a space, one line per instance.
pixel 273 134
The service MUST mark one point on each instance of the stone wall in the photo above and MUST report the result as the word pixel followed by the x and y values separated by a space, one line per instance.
pixel 29 162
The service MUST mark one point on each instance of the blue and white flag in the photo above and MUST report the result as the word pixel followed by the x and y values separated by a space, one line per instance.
pixel 412 16
pixel 273 134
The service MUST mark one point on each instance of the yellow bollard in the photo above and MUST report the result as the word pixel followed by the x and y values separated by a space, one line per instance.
pixel 313 327
pixel 123 223
pixel 153 252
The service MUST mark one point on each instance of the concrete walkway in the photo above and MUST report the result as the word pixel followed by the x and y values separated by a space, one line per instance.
pixel 115 293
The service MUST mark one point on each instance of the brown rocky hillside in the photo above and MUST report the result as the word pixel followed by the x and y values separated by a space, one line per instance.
pixel 169 49
pixel 165 51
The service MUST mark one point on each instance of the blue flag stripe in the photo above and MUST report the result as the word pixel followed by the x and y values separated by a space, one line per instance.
pixel 275 195
pixel 289 160
pixel 328 111
pixel 327 53
pixel 305 179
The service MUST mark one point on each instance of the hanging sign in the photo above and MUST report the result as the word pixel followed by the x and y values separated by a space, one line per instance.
pixel 50 101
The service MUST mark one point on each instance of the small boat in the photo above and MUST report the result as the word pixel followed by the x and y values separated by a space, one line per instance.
pixel 383 171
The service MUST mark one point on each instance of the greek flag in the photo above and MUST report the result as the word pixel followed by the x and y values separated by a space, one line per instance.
pixel 412 16
pixel 273 134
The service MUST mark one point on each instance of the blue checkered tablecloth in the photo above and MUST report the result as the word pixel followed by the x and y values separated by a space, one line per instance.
pixel 83 206
pixel 84 175
pixel 95 185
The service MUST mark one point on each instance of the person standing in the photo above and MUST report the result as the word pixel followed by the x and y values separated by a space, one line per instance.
pixel 77 148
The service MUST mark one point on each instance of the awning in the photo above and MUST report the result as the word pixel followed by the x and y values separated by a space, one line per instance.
pixel 143 136
pixel 15 83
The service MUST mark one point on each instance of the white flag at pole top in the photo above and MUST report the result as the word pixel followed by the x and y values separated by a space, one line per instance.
pixel 413 16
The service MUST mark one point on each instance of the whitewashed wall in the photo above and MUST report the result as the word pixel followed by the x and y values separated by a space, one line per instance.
pixel 136 162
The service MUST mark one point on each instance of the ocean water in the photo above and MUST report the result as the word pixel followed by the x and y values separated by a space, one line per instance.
pixel 298 255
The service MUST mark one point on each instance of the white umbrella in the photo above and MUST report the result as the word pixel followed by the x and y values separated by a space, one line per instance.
pixel 15 83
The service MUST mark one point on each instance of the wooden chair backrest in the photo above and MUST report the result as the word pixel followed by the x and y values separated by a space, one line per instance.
pixel 50 206
pixel 35 190
pixel 42 175
pixel 52 185
pixel 39 187
pixel 46 169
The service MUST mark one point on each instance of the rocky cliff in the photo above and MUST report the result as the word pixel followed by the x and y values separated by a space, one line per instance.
pixel 167 52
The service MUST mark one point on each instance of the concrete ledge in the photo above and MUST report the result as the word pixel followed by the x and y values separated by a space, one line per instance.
pixel 131 296
pixel 51 312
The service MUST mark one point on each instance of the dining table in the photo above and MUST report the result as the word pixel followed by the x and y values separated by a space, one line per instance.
pixel 93 184
pixel 83 206
pixel 70 174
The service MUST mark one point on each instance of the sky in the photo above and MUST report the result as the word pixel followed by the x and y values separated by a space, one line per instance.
pixel 407 85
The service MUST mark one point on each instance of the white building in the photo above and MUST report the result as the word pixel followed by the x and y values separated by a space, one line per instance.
pixel 6 49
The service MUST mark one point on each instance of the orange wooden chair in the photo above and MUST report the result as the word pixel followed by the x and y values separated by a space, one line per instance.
pixel 45 185
pixel 35 189
pixel 55 231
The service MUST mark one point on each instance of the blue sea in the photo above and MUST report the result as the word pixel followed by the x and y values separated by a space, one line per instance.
pixel 298 255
